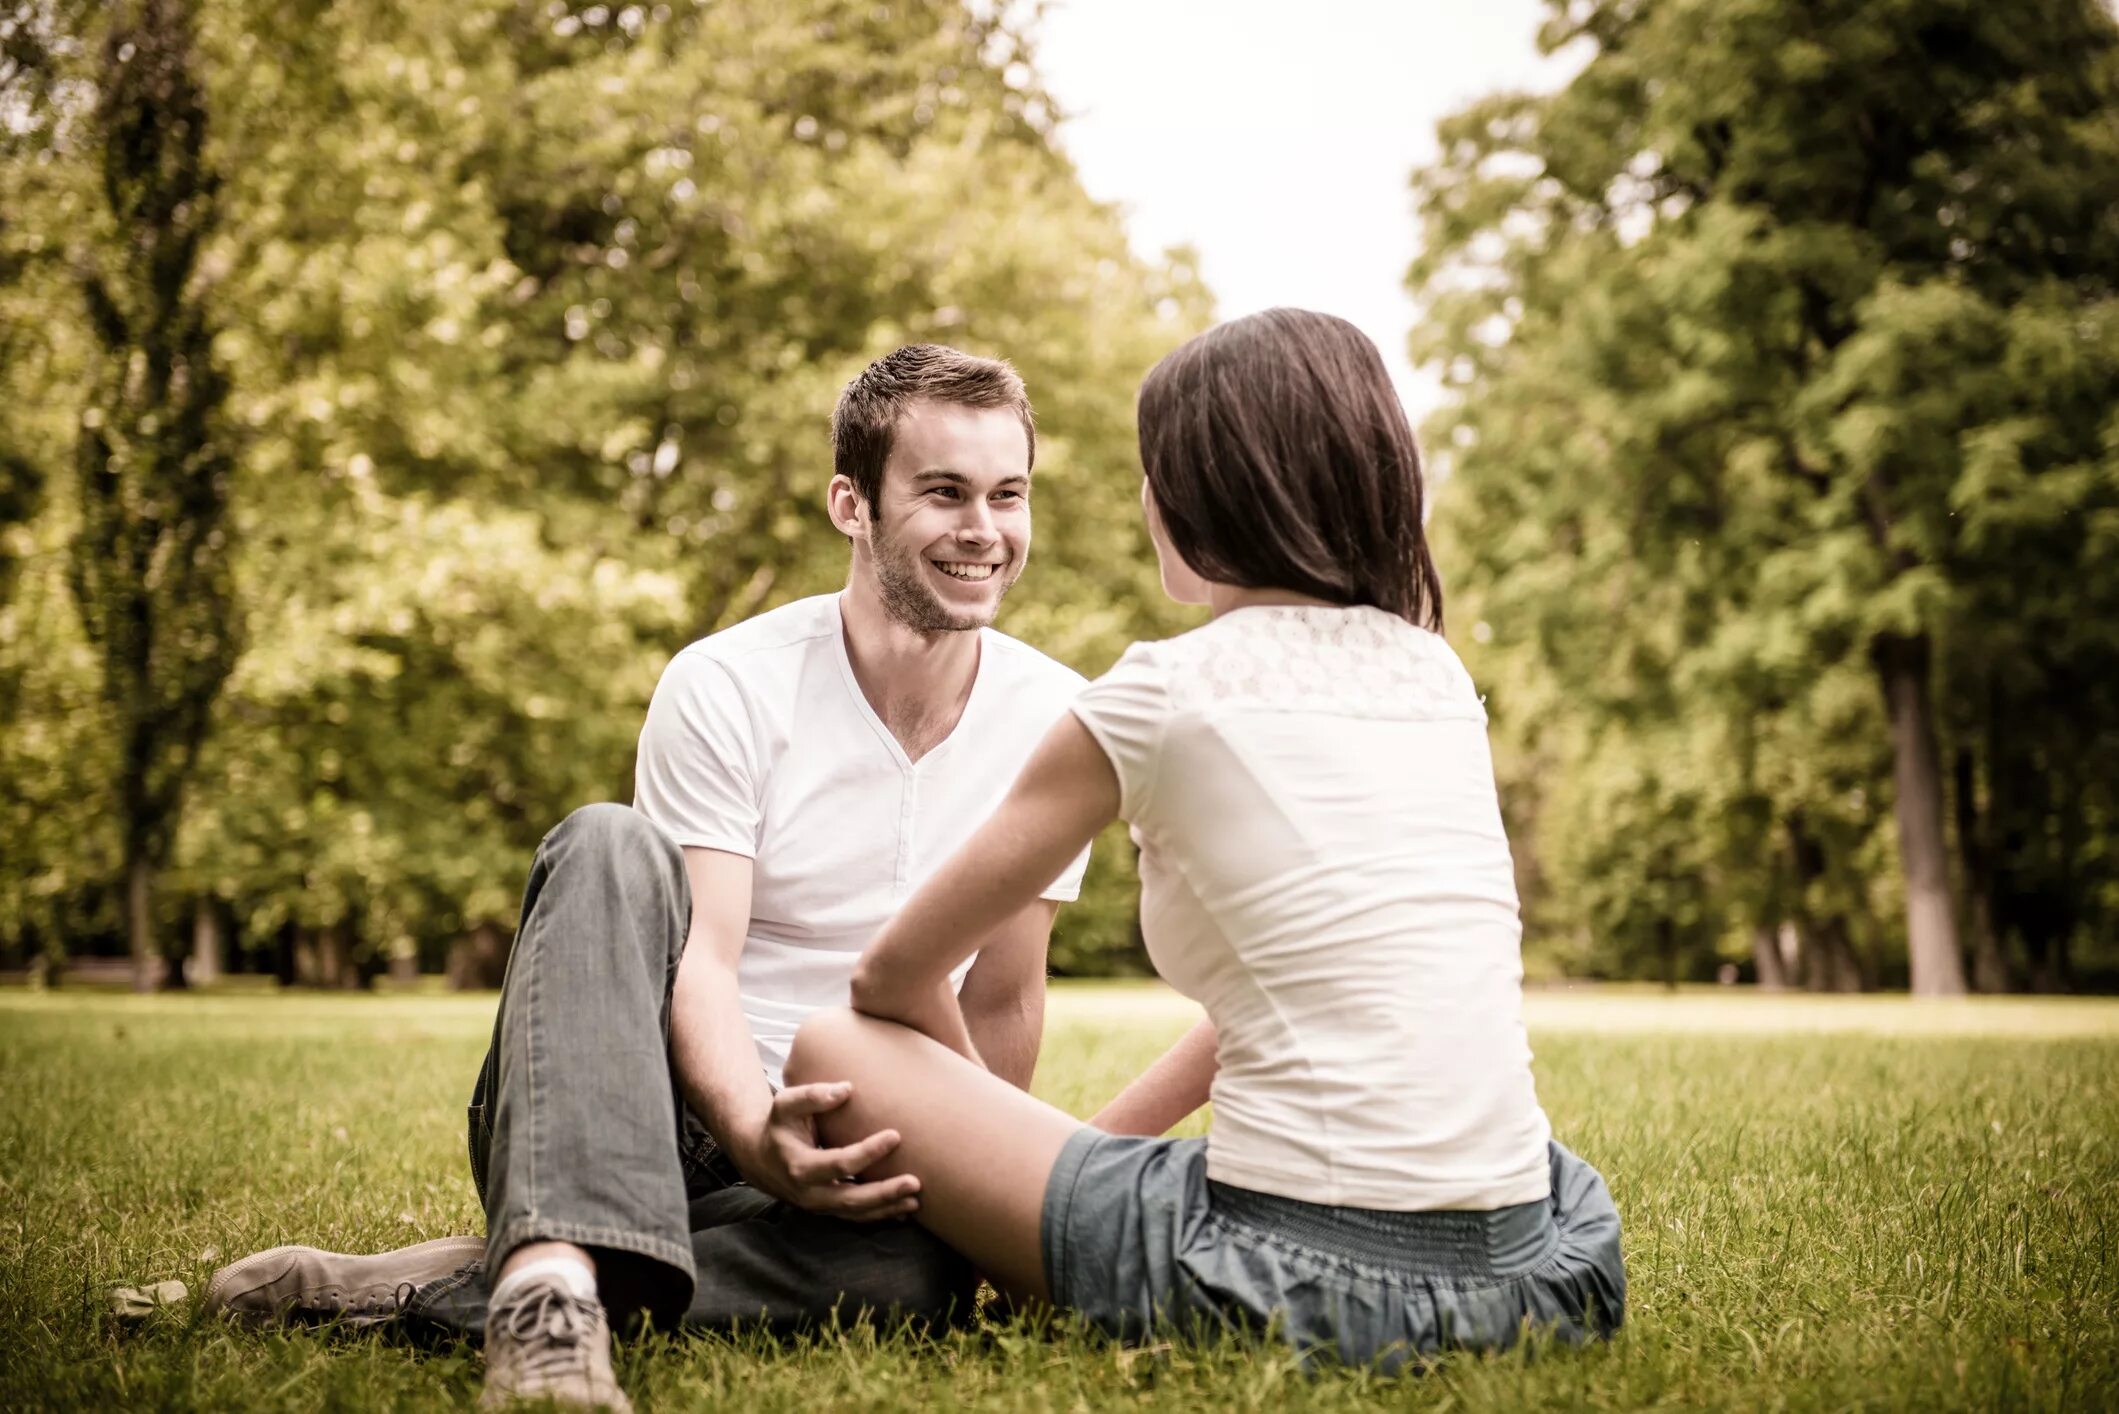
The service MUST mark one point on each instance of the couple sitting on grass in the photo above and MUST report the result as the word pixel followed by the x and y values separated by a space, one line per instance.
pixel 764 1042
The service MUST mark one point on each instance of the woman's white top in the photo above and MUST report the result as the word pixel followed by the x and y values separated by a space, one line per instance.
pixel 1323 868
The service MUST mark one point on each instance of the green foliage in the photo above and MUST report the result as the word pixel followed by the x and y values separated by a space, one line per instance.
pixel 1783 475
pixel 1098 935
pixel 1885 1209
pixel 60 867
pixel 406 730
pixel 532 319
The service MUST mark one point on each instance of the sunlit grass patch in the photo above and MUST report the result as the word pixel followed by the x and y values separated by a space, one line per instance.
pixel 1829 1203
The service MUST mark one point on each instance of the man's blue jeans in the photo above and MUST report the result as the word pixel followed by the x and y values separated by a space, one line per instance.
pixel 578 1132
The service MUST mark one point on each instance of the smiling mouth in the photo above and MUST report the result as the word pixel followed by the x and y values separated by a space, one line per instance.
pixel 969 573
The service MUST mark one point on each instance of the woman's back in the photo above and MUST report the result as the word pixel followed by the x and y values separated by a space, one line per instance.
pixel 1324 869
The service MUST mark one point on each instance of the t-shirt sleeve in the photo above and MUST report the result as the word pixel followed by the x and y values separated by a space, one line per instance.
pixel 696 773
pixel 1068 886
pixel 1125 711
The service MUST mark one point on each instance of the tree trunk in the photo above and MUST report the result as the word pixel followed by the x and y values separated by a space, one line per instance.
pixel 147 960
pixel 366 967
pixel 336 968
pixel 1774 974
pixel 2064 900
pixel 206 944
pixel 1838 963
pixel 1828 960
pixel 283 955
pixel 1990 967
pixel 308 970
pixel 151 561
pixel 2049 961
pixel 478 959
pixel 1931 924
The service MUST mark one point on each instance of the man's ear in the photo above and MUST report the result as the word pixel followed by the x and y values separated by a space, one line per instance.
pixel 847 507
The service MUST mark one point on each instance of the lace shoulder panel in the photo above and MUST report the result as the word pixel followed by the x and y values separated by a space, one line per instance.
pixel 1358 662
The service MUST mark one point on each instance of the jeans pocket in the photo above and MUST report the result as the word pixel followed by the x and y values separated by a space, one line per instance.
pixel 481 1142
pixel 701 1160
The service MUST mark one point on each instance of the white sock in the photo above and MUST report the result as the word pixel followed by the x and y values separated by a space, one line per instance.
pixel 573 1273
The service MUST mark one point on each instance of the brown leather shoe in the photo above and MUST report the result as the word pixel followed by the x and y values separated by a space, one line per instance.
pixel 306 1285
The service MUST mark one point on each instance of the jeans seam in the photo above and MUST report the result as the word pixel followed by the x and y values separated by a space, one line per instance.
pixel 530 1067
pixel 481 1136
pixel 1061 1256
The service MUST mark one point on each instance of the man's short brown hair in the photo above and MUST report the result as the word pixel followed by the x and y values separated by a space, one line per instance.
pixel 864 425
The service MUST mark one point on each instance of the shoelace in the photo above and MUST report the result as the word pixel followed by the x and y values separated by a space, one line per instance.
pixel 550 1330
pixel 378 1305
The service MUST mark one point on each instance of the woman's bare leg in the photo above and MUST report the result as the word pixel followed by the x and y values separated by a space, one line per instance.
pixel 981 1148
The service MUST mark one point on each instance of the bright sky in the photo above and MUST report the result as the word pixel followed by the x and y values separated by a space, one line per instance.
pixel 1276 138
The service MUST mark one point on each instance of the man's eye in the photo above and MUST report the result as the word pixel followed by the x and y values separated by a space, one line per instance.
pixel 949 491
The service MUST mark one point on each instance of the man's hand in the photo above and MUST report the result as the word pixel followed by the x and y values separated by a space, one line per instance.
pixel 783 1159
pixel 772 1139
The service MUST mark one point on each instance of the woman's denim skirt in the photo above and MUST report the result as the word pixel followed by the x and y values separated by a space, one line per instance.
pixel 1139 1240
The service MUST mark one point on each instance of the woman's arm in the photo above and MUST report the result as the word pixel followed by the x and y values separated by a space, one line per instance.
pixel 1177 1084
pixel 1066 793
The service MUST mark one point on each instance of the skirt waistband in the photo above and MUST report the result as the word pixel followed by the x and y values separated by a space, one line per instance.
pixel 1494 1244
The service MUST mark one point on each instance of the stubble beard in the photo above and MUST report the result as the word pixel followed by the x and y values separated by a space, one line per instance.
pixel 908 598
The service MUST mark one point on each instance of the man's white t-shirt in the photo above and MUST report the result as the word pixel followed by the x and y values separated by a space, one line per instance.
pixel 760 742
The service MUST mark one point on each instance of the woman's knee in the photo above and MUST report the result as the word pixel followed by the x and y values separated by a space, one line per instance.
pixel 825 1046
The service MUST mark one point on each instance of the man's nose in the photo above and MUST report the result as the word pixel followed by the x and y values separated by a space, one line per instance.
pixel 976 523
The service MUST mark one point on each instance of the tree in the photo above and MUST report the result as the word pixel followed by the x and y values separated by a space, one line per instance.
pixel 531 318
pixel 152 558
pixel 429 689
pixel 1730 320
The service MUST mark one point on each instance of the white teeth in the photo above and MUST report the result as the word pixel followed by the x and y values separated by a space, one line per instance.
pixel 957 570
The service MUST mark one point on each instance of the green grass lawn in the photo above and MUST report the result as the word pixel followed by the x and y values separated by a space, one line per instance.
pixel 1829 1203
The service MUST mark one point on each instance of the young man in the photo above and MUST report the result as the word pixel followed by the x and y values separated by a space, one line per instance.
pixel 798 776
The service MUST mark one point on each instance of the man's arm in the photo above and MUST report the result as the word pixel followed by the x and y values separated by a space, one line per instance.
pixel 1003 995
pixel 770 1138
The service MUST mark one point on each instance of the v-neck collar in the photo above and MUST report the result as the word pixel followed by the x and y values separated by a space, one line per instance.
pixel 867 709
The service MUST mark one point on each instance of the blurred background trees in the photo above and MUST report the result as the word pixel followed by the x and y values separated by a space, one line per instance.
pixel 1778 503
pixel 529 319
pixel 1784 484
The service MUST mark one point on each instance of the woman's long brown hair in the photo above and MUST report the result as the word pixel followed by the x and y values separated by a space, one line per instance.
pixel 1280 458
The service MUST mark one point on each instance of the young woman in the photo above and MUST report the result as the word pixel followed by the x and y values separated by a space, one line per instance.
pixel 1323 869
